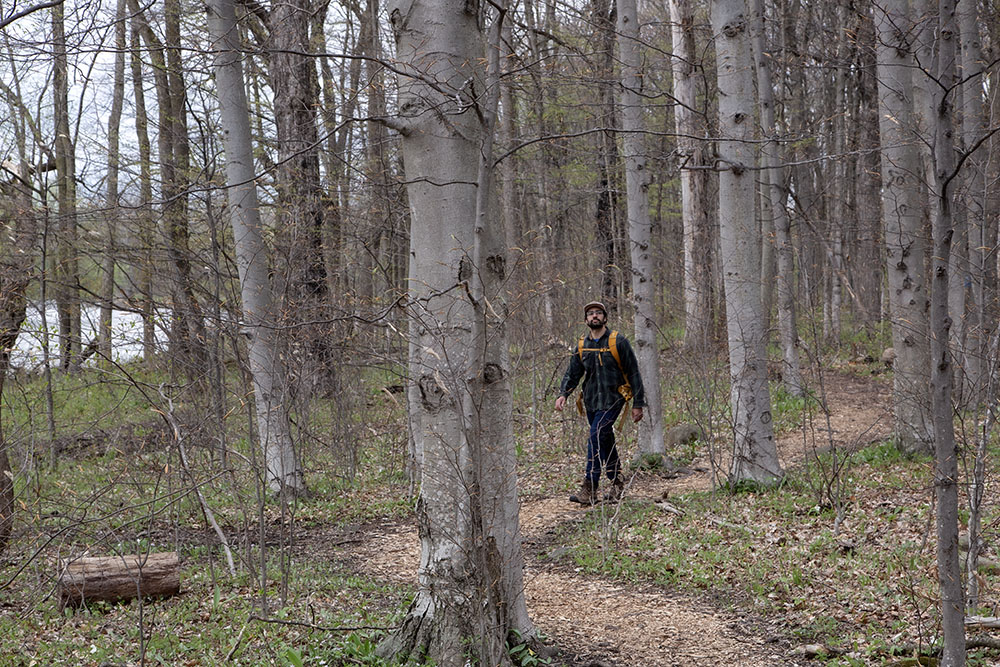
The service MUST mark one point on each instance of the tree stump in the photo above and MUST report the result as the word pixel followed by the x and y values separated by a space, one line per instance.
pixel 117 578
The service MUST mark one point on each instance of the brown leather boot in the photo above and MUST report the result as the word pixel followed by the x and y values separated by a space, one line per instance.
pixel 617 490
pixel 587 495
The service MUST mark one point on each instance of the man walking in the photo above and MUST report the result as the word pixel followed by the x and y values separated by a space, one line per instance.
pixel 607 364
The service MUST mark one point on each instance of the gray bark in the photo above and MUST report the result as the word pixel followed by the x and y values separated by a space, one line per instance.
pixel 688 121
pixel 946 450
pixel 67 274
pixel 284 474
pixel 982 268
pixel 791 373
pixel 111 195
pixel 640 232
pixel 905 247
pixel 469 595
pixel 755 456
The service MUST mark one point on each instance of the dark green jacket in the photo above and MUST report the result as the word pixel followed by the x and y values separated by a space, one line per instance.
pixel 602 376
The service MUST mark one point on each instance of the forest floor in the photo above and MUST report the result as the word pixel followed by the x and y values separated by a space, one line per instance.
pixel 598 622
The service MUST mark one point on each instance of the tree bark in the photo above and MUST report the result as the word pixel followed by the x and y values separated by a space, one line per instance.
pixel 111 195
pixel 118 578
pixel 755 456
pixel 67 273
pixel 791 373
pixel 905 248
pixel 946 451
pixel 284 472
pixel 689 123
pixel 468 598
pixel 640 230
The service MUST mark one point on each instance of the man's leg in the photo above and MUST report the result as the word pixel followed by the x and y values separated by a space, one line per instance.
pixel 607 448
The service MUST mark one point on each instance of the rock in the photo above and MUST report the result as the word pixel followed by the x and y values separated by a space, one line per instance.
pixel 682 434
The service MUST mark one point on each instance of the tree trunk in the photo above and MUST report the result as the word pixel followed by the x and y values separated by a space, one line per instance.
pixel 755 456
pixel 946 451
pixel 284 473
pixel 982 267
pixel 905 249
pixel 145 218
pixel 791 374
pixel 118 578
pixel 299 206
pixel 689 123
pixel 17 257
pixel 640 232
pixel 470 550
pixel 67 275
pixel 188 335
pixel 111 197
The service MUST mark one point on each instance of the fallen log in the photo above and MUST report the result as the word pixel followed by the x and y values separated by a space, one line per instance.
pixel 118 578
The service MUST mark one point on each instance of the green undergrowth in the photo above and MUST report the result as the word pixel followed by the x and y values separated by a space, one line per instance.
pixel 330 617
pixel 860 585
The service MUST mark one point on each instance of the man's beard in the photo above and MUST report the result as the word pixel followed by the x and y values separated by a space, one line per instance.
pixel 596 324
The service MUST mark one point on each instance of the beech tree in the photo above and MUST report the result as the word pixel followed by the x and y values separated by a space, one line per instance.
pixel 755 455
pixel 284 472
pixel 904 242
pixel 689 122
pixel 470 595
pixel 640 233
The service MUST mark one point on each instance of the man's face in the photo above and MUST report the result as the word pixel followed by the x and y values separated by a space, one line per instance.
pixel 596 318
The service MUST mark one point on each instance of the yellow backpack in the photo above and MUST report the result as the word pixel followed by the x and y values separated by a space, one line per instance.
pixel 626 389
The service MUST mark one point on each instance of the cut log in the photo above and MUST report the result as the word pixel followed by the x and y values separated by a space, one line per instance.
pixel 116 578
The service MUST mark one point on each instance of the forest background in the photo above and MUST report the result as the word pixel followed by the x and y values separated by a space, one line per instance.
pixel 352 242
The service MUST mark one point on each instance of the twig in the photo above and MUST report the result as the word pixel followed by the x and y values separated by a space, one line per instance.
pixel 209 515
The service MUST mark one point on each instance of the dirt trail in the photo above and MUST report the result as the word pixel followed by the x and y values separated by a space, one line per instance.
pixel 607 624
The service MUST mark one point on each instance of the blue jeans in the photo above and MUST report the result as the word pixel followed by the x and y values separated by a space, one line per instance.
pixel 601 449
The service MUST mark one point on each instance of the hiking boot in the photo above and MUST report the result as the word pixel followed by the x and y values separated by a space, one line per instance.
pixel 616 491
pixel 587 495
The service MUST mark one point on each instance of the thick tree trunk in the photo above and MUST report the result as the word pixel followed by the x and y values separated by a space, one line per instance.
pixel 469 577
pixel 640 232
pixel 905 248
pixel 791 373
pixel 118 578
pixel 755 456
pixel 284 473
pixel 689 123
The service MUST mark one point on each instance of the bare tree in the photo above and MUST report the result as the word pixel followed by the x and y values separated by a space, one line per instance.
pixel 111 193
pixel 467 601
pixel 942 371
pixel 640 233
pixel 755 456
pixel 791 374
pixel 901 212
pixel 284 473
pixel 689 121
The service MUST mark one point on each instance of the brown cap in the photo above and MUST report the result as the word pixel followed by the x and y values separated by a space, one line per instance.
pixel 595 304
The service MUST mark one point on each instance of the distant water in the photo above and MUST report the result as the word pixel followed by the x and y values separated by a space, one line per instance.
pixel 126 335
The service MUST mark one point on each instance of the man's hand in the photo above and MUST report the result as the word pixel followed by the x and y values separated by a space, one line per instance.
pixel 560 403
pixel 637 415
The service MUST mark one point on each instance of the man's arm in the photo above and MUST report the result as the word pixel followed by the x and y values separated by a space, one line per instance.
pixel 570 379
pixel 631 367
